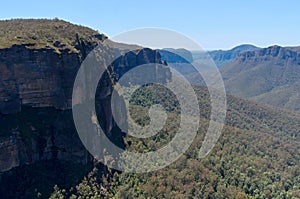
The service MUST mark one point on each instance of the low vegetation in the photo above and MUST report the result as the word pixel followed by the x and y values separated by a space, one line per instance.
pixel 45 33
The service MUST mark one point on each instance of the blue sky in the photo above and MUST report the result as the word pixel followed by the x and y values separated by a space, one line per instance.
pixel 213 24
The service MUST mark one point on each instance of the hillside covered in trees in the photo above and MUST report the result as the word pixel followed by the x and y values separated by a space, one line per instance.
pixel 41 155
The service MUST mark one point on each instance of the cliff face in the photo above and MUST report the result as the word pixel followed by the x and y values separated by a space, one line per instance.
pixel 36 93
pixel 36 87
pixel 36 134
pixel 38 78
pixel 287 56
pixel 10 153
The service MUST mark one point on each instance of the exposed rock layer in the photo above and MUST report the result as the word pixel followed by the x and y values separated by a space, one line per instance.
pixel 35 95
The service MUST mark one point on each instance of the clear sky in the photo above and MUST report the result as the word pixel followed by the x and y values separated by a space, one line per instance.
pixel 213 24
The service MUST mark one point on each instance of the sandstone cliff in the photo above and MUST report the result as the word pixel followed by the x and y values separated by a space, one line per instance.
pixel 36 83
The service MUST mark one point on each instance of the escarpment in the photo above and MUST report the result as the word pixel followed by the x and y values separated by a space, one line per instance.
pixel 36 84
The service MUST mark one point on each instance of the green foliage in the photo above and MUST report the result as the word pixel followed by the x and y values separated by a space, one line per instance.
pixel 257 156
pixel 44 33
pixel 243 164
pixel 58 194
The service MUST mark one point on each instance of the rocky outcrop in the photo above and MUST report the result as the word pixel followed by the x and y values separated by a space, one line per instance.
pixel 38 78
pixel 11 153
pixel 52 136
pixel 288 55
pixel 36 92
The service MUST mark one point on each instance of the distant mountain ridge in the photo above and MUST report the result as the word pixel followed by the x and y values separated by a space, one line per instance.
pixel 222 57
pixel 269 75
pixel 179 55
pixel 266 75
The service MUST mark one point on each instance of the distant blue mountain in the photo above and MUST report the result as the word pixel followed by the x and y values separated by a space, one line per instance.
pixel 172 55
pixel 222 57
